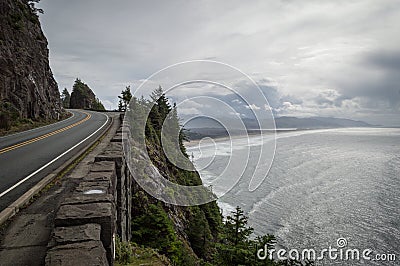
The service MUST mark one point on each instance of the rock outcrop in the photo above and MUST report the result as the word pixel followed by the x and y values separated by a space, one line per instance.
pixel 27 85
pixel 82 97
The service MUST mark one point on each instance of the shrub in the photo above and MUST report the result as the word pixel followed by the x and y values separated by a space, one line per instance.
pixel 4 121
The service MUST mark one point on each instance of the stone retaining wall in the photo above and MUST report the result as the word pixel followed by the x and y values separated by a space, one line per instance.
pixel 98 209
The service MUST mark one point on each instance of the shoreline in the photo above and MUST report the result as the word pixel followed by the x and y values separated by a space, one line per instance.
pixel 219 138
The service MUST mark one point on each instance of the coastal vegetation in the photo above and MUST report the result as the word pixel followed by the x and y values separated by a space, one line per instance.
pixel 194 235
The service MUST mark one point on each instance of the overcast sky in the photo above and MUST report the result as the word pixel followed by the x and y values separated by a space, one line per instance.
pixel 310 58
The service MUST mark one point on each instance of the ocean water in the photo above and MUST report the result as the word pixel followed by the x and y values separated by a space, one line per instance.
pixel 323 185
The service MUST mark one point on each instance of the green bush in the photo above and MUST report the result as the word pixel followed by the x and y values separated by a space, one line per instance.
pixel 154 229
pixel 123 252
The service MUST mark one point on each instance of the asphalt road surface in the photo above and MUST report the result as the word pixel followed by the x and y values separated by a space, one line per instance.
pixel 27 157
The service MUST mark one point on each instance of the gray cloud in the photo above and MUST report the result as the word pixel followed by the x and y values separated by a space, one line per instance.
pixel 385 60
pixel 336 58
pixel 376 82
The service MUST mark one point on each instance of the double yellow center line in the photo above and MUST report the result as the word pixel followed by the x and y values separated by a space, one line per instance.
pixel 19 145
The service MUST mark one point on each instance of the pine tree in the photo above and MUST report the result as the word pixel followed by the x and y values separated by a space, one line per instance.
pixel 98 106
pixel 236 227
pixel 65 98
pixel 160 109
pixel 124 99
pixel 156 230
pixel 120 105
pixel 199 232
pixel 236 248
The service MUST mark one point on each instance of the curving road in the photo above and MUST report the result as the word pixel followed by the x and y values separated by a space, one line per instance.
pixel 27 157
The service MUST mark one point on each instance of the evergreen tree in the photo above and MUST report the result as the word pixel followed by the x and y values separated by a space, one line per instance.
pixel 65 98
pixel 235 248
pixel 98 106
pixel 236 227
pixel 199 233
pixel 124 99
pixel 156 230
pixel 120 105
pixel 160 109
pixel 157 94
pixel 177 127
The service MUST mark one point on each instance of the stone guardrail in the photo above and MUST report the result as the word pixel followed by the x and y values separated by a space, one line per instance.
pixel 98 209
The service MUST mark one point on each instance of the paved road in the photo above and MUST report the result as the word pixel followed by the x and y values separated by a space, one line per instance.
pixel 27 157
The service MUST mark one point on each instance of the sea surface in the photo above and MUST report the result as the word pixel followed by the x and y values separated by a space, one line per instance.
pixel 323 185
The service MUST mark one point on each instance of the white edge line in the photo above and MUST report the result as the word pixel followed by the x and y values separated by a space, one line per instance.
pixel 52 161
pixel 37 128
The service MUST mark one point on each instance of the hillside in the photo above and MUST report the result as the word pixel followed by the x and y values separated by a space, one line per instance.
pixel 201 127
pixel 82 97
pixel 27 86
pixel 186 235
pixel 317 122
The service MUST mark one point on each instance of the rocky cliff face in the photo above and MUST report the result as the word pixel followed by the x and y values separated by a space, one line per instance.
pixel 27 86
pixel 82 97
